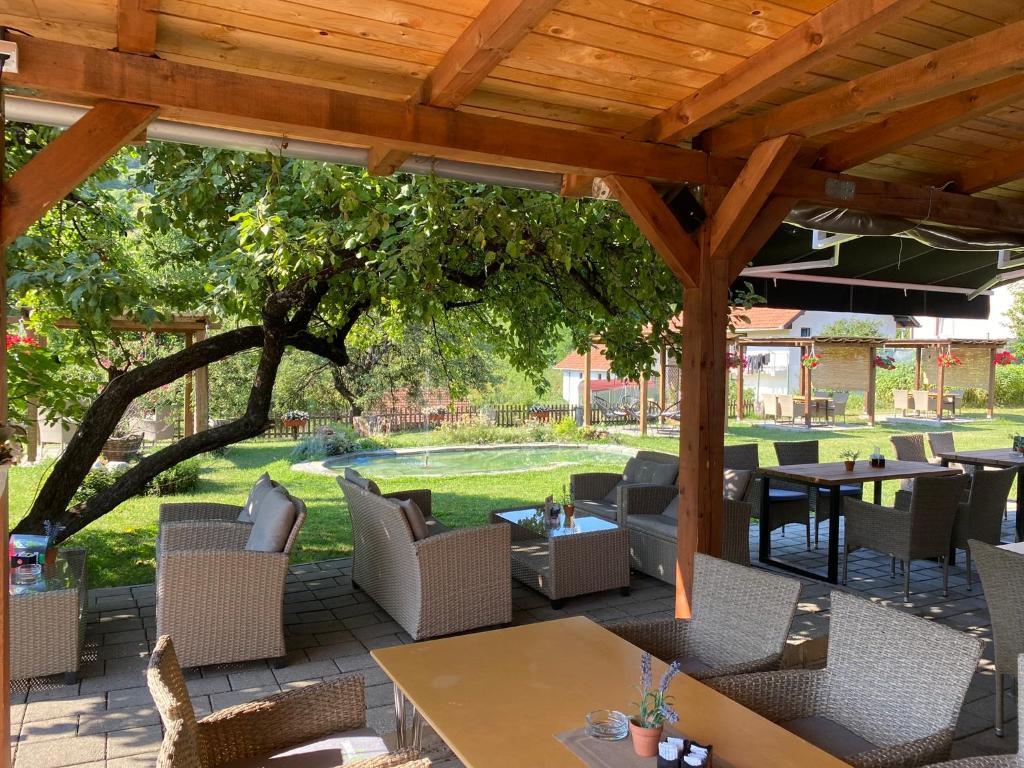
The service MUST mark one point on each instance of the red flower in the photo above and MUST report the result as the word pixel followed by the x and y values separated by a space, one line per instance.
pixel 14 339
pixel 1005 358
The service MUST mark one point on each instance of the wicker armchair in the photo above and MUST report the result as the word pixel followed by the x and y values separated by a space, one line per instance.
pixel 1002 576
pixel 219 601
pixel 790 504
pixel 789 409
pixel 924 530
pixel 889 696
pixel 981 516
pixel 452 581
pixel 297 728
pixel 741 619
pixel 902 401
pixel 909 448
pixel 591 490
pixel 806 452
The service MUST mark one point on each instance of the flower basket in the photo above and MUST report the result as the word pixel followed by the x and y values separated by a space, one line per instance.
pixel 122 448
pixel 885 362
pixel 949 360
pixel 734 360
pixel 1005 358
pixel 293 423
pixel 810 361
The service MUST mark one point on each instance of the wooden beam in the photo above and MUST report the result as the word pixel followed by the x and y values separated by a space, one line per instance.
pixel 990 406
pixel 750 191
pixel 202 384
pixel 643 404
pixel 917 368
pixel 576 185
pixel 384 161
pixel 829 33
pixel 991 172
pixel 955 68
pixel 66 161
pixel 189 420
pixel 767 221
pixel 940 386
pixel 215 98
pixel 5 562
pixel 662 384
pixel 666 235
pixel 136 26
pixel 871 395
pixel 910 125
pixel 489 38
pixel 587 370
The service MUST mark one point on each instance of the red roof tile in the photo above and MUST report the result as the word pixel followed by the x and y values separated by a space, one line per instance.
pixel 764 318
pixel 574 361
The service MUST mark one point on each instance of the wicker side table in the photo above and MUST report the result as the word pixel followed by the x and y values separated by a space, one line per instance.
pixel 591 555
pixel 48 620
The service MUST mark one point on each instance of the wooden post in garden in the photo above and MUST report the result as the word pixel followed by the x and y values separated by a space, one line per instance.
pixel 662 384
pixel 5 567
pixel 917 368
pixel 189 425
pixel 739 384
pixel 587 414
pixel 808 401
pixel 869 396
pixel 202 392
pixel 940 385
pixel 643 405
pixel 991 382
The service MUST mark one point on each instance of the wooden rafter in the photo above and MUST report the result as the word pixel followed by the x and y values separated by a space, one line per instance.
pixel 575 185
pixel 383 161
pixel 666 235
pixel 910 125
pixel 750 191
pixel 991 172
pixel 955 68
pixel 204 96
pixel 136 26
pixel 66 161
pixel 764 225
pixel 835 29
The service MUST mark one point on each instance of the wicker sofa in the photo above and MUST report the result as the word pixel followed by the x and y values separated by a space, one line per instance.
pixel 603 493
pixel 220 601
pixel 451 581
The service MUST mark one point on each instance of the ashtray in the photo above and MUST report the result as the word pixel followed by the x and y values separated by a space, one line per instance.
pixel 607 724
pixel 27 574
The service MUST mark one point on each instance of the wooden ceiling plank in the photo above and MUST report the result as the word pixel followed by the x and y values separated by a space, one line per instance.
pixel 661 228
pixel 480 48
pixel 136 26
pixel 1000 170
pixel 66 161
pixel 955 68
pixel 837 28
pixel 748 194
pixel 910 125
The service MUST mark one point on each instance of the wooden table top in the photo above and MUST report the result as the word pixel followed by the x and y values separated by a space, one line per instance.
pixel 991 457
pixel 835 473
pixel 498 698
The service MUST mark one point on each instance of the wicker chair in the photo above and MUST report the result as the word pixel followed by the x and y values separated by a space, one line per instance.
pixel 789 409
pixel 889 696
pixel 837 407
pixel 311 723
pixel 909 448
pixel 741 619
pixel 770 407
pixel 806 452
pixel 922 401
pixel 924 530
pixel 902 401
pixel 790 504
pixel 592 490
pixel 219 601
pixel 451 581
pixel 1002 576
pixel 981 516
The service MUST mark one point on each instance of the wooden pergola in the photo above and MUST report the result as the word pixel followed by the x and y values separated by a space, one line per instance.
pixel 891 107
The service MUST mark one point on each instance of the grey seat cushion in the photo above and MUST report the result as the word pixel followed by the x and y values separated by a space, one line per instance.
pixel 828 735
pixel 332 751
pixel 672 510
pixel 597 508
pixel 735 482
pixel 274 521
pixel 661 526
pixel 612 497
pixel 259 490
pixel 784 494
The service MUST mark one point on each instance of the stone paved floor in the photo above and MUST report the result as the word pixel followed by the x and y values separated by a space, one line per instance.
pixel 108 719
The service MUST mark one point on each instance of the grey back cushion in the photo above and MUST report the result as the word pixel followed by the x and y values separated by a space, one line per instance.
pixel 672 510
pixel 363 482
pixel 735 482
pixel 273 524
pixel 414 516
pixel 653 472
pixel 259 490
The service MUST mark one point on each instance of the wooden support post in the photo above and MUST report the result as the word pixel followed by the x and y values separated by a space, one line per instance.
pixel 808 400
pixel 662 385
pixel 202 387
pixel 940 384
pixel 5 562
pixel 189 422
pixel 991 382
pixel 32 418
pixel 643 405
pixel 869 396
pixel 739 385
pixel 917 368
pixel 587 364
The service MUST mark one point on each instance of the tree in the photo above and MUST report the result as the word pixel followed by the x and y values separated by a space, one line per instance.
pixel 853 327
pixel 296 254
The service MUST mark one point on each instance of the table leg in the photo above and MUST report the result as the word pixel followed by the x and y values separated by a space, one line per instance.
pixel 835 501
pixel 1020 504
pixel 878 492
pixel 399 718
pixel 765 523
pixel 417 729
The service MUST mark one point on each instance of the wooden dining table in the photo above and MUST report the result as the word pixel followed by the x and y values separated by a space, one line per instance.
pixel 498 699
pixel 819 404
pixel 832 475
pixel 1001 458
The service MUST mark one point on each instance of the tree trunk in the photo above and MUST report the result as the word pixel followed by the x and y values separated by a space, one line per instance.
pixel 338 378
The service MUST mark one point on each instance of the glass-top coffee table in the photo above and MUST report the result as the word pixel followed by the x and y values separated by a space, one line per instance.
pixel 566 558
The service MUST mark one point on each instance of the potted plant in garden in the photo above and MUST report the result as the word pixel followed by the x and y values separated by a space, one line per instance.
pixel 568 505
pixel 51 530
pixel 540 412
pixel 294 420
pixel 849 459
pixel 810 360
pixel 949 360
pixel 653 710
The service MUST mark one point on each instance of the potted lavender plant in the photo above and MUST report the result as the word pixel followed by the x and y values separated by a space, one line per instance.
pixel 653 710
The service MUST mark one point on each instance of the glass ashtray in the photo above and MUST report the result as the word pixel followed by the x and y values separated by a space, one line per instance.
pixel 27 574
pixel 607 724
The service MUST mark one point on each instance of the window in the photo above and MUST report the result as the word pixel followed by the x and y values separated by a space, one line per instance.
pixel 805 333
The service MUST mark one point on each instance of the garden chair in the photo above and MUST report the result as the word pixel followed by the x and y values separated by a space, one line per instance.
pixel 909 448
pixel 806 452
pixel 789 504
pixel 888 697
pixel 307 727
pixel 902 401
pixel 922 401
pixel 942 442
pixel 981 516
pixel 600 493
pixel 431 580
pixel 741 619
pixel 922 531
pixel 220 582
pixel 837 407
pixel 770 407
pixel 1002 577
pixel 789 409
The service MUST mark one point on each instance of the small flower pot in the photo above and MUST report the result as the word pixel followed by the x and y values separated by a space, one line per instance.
pixel 51 555
pixel 850 465
pixel 645 740
pixel 293 423
pixel 569 510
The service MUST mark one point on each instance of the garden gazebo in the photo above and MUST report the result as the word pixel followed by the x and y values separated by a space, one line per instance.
pixel 766 115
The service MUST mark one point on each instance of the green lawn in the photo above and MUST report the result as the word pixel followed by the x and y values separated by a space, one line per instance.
pixel 121 544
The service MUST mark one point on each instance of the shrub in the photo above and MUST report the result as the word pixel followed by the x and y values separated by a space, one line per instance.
pixel 98 479
pixel 900 377
pixel 566 429
pixel 1010 385
pixel 334 440
pixel 473 430
pixel 181 478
